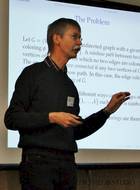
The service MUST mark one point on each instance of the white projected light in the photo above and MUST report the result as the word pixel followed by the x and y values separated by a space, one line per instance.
pixel 109 62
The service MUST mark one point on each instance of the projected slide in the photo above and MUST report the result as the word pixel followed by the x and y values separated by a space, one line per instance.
pixel 109 62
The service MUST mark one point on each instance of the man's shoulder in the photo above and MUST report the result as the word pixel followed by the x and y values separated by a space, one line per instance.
pixel 35 66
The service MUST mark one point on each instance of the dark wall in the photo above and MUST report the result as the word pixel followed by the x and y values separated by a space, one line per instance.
pixel 90 177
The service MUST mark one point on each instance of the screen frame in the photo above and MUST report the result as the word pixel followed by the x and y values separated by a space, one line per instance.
pixel 103 4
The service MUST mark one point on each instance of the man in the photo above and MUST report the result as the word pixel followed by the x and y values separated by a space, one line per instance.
pixel 44 109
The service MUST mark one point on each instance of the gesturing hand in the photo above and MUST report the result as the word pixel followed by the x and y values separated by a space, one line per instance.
pixel 116 101
pixel 64 119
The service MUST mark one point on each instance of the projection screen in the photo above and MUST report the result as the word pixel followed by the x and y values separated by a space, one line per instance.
pixel 109 62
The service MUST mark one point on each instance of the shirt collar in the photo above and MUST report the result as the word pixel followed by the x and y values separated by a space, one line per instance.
pixel 52 64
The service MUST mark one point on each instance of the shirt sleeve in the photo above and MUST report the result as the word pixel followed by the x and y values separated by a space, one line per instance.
pixel 18 117
pixel 90 125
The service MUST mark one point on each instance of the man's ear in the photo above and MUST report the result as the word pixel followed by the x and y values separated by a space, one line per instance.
pixel 56 39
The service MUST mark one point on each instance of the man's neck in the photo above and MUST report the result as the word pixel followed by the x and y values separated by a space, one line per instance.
pixel 60 61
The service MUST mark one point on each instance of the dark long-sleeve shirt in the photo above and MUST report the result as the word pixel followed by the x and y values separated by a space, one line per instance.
pixel 39 90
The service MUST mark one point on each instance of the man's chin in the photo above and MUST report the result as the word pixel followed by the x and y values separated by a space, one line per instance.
pixel 74 55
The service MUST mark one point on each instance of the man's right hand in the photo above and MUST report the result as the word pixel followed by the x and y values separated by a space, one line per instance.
pixel 64 119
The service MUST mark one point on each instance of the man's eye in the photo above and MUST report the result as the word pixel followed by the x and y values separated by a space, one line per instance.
pixel 76 37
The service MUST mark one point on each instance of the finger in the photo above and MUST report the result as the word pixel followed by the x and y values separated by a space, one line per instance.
pixel 77 122
pixel 75 116
pixel 123 95
pixel 73 123
pixel 127 93
pixel 126 96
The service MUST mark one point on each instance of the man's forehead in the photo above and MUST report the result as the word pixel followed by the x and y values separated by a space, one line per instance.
pixel 72 29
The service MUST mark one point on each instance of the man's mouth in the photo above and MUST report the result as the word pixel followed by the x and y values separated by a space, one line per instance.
pixel 76 48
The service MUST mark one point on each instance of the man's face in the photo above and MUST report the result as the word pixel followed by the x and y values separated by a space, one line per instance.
pixel 70 42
